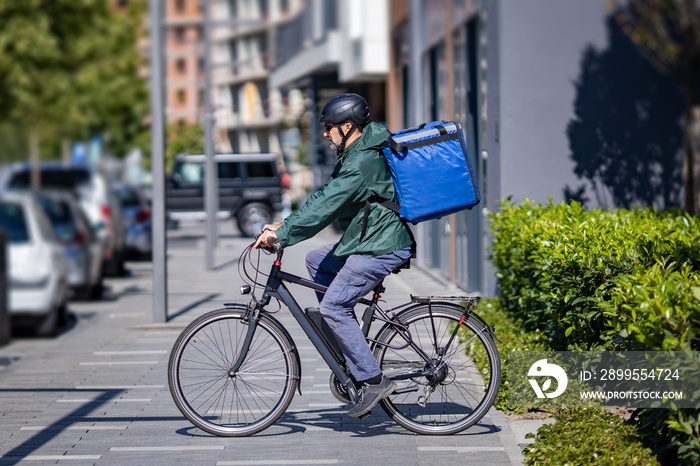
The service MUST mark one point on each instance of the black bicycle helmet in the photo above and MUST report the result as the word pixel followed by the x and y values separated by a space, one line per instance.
pixel 346 107
pixel 342 108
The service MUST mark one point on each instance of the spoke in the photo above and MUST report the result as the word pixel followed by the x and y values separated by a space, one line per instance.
pixel 195 347
pixel 210 334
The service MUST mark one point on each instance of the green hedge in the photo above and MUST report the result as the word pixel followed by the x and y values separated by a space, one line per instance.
pixel 593 279
pixel 512 338
pixel 606 281
pixel 588 437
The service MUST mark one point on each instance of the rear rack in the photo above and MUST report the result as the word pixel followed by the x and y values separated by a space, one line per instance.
pixel 428 299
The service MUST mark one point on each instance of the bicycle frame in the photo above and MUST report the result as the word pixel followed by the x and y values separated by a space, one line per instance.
pixel 275 287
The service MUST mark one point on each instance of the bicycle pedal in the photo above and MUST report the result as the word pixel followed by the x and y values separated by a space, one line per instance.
pixel 364 416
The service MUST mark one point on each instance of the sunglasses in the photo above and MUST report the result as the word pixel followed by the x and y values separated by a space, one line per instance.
pixel 329 126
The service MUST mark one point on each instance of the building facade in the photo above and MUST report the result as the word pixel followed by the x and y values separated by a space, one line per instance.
pixel 555 102
pixel 250 112
pixel 184 65
pixel 327 48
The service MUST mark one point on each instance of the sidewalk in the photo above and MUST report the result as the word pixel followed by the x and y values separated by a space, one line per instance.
pixel 98 394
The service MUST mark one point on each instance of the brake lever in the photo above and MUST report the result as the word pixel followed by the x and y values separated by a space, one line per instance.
pixel 273 248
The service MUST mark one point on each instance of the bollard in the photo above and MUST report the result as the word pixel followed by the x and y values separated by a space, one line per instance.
pixel 5 323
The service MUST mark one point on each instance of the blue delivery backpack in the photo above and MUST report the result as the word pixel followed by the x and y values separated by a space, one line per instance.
pixel 431 170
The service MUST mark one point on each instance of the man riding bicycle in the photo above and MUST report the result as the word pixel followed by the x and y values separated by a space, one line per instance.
pixel 373 245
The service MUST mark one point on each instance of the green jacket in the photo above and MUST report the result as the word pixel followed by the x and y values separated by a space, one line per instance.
pixel 359 174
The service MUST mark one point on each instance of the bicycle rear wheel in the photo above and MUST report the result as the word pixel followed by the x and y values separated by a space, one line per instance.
pixel 461 391
pixel 242 404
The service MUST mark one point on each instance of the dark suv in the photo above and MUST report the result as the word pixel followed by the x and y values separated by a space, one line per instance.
pixel 250 187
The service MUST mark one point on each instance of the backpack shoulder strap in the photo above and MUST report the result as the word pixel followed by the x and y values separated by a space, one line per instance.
pixel 389 205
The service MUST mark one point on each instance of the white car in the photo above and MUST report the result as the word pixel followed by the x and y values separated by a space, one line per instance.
pixel 95 195
pixel 37 266
pixel 80 243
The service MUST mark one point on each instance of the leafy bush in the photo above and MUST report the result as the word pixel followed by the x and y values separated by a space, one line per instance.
pixel 654 309
pixel 674 436
pixel 588 437
pixel 606 280
pixel 562 270
pixel 509 332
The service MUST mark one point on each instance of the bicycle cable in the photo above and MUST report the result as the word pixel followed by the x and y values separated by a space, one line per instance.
pixel 246 261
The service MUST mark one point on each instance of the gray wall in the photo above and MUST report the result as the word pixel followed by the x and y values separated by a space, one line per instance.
pixel 541 46
pixel 576 112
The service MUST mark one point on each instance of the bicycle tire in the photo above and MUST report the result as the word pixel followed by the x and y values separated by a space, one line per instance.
pixel 250 401
pixel 459 395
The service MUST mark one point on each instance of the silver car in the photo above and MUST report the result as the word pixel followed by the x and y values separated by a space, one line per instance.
pixel 37 267
pixel 137 220
pixel 95 195
pixel 80 243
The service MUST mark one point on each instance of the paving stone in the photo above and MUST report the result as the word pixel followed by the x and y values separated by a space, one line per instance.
pixel 82 408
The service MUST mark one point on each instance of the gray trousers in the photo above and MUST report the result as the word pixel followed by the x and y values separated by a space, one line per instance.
pixel 349 281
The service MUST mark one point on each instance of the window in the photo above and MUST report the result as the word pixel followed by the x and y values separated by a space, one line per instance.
pixel 180 34
pixel 181 65
pixel 13 222
pixel 260 170
pixel 191 172
pixel 233 8
pixel 235 101
pixel 228 170
pixel 128 197
pixel 181 96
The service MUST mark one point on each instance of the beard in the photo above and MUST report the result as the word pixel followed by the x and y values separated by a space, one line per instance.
pixel 334 145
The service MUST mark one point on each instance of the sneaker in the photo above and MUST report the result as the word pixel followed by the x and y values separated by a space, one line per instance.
pixel 370 395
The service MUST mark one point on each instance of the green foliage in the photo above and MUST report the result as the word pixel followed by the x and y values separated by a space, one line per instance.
pixel 605 280
pixel 588 437
pixel 509 331
pixel 183 139
pixel 562 270
pixel 674 437
pixel 303 154
pixel 654 308
pixel 72 66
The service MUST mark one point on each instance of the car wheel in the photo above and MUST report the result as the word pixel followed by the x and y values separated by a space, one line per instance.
pixel 251 218
pixel 48 325
pixel 121 265
pixel 96 290
pixel 114 267
pixel 83 293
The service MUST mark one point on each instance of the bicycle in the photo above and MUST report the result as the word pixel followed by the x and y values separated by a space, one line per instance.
pixel 233 372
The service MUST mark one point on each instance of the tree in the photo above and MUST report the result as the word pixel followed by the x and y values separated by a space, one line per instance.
pixel 667 32
pixel 71 67
pixel 183 139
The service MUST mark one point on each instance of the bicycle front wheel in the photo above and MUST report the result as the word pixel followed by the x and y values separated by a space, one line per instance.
pixel 240 404
pixel 466 375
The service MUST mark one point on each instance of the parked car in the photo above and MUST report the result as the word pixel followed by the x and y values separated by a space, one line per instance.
pixel 80 243
pixel 137 220
pixel 37 268
pixel 250 187
pixel 94 193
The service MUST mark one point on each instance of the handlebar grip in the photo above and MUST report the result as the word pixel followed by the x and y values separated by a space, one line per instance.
pixel 275 247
